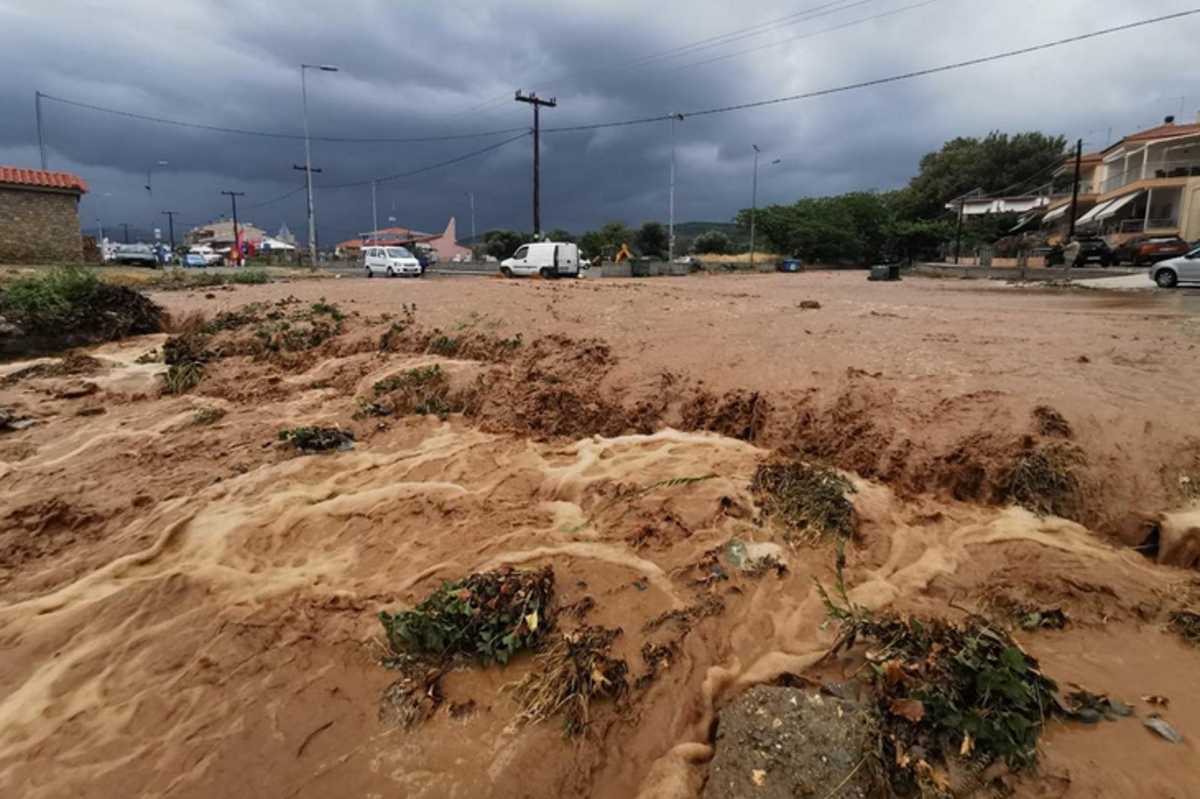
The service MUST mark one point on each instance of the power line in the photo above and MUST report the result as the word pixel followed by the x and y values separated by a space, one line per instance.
pixel 277 135
pixel 883 81
pixel 430 167
pixel 281 197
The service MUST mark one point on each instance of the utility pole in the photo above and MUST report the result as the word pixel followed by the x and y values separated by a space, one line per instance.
pixel 753 205
pixel 374 214
pixel 37 109
pixel 471 197
pixel 671 224
pixel 1075 187
pixel 126 226
pixel 958 228
pixel 237 238
pixel 308 170
pixel 537 103
pixel 170 215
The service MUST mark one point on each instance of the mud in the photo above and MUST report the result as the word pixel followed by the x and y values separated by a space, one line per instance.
pixel 191 608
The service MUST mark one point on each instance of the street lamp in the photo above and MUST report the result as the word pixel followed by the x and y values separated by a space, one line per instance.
pixel 754 200
pixel 471 197
pixel 312 215
pixel 150 172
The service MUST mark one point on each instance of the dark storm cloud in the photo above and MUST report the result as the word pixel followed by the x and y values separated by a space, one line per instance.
pixel 420 69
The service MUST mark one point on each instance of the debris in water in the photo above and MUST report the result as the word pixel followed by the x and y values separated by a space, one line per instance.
pixel 1165 730
pixel 1043 480
pixel 1187 624
pixel 1155 699
pixel 810 500
pixel 1051 423
pixel 572 670
pixel 1083 705
pixel 808 305
pixel 489 616
pixel 318 439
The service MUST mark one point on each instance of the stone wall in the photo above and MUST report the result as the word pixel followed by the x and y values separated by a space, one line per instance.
pixel 38 226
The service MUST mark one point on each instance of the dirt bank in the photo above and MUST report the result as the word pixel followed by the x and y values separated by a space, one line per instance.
pixel 189 603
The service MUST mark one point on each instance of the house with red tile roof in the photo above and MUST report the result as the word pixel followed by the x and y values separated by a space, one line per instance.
pixel 39 216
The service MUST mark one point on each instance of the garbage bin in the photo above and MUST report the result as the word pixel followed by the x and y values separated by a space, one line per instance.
pixel 790 265
pixel 885 272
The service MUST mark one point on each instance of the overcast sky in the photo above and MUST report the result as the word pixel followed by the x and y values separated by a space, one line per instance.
pixel 444 68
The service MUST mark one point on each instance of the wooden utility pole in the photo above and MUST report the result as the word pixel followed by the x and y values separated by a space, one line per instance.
pixel 537 103
pixel 1075 187
pixel 171 227
pixel 37 109
pixel 237 239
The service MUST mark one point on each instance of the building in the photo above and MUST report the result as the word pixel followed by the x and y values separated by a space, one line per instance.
pixel 39 216
pixel 445 244
pixel 219 234
pixel 1147 183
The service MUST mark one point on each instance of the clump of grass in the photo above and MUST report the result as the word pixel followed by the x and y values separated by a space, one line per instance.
pixel 249 276
pixel 1044 480
pixel 320 307
pixel 572 671
pixel 73 301
pixel 809 500
pixel 207 415
pixel 489 617
pixel 447 346
pixel 423 390
pixel 411 378
pixel 181 378
pixel 317 439
pixel 945 691
pixel 1187 624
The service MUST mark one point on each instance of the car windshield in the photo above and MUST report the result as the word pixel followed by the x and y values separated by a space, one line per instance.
pixel 398 252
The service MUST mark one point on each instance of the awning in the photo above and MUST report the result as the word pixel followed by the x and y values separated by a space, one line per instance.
pixel 1118 204
pixel 1091 215
pixel 1056 213
pixel 1025 222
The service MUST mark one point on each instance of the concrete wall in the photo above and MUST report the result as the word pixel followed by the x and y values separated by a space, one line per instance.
pixel 39 226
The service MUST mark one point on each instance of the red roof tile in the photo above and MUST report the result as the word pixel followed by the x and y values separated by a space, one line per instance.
pixel 14 175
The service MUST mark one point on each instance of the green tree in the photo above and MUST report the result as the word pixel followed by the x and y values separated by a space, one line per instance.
pixel 652 240
pixel 995 163
pixel 606 241
pixel 558 234
pixel 502 244
pixel 712 241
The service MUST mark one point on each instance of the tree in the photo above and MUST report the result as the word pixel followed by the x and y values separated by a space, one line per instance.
pixel 606 241
pixel 652 240
pixel 712 241
pixel 995 163
pixel 502 244
pixel 558 234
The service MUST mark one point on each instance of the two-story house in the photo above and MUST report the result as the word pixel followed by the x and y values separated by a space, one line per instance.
pixel 1147 183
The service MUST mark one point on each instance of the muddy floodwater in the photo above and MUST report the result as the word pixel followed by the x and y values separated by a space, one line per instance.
pixel 189 604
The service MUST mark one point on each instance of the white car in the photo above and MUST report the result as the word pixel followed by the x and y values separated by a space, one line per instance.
pixel 545 258
pixel 390 261
pixel 1184 269
pixel 211 257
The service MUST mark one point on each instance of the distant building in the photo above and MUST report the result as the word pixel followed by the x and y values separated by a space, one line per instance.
pixel 39 216
pixel 219 235
pixel 445 244
pixel 285 235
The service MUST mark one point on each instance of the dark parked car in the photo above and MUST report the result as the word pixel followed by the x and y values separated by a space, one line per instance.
pixel 1151 249
pixel 1093 249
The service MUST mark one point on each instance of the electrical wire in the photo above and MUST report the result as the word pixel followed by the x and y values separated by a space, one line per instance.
pixel 280 198
pixel 920 73
pixel 277 135
pixel 429 168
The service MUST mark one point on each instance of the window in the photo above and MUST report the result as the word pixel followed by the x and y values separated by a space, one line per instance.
pixel 398 252
pixel 521 252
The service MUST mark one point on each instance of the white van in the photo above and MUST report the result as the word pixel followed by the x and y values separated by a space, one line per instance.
pixel 390 261
pixel 545 258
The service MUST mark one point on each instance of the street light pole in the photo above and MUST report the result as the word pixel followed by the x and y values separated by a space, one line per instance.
pixel 671 224
pixel 374 214
pixel 150 172
pixel 471 197
pixel 753 205
pixel 312 214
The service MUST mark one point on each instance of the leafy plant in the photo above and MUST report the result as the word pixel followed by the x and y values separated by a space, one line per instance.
pixel 317 439
pixel 1187 624
pixel 489 616
pixel 250 276
pixel 181 378
pixel 72 300
pixel 444 345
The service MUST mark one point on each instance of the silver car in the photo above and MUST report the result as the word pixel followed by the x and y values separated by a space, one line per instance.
pixel 1184 269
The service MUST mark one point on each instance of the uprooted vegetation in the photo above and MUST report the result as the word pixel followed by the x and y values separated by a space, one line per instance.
pixel 73 363
pixel 1186 624
pixel 810 501
pixel 421 390
pixel 70 306
pixel 1045 480
pixel 572 670
pixel 951 698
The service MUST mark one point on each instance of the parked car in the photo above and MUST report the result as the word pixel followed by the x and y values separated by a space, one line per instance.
pixel 1151 249
pixel 1094 249
pixel 1172 272
pixel 390 261
pixel 211 257
pixel 194 260
pixel 142 254
pixel 545 258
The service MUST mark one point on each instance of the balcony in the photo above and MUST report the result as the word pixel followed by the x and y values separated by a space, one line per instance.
pixel 1119 178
